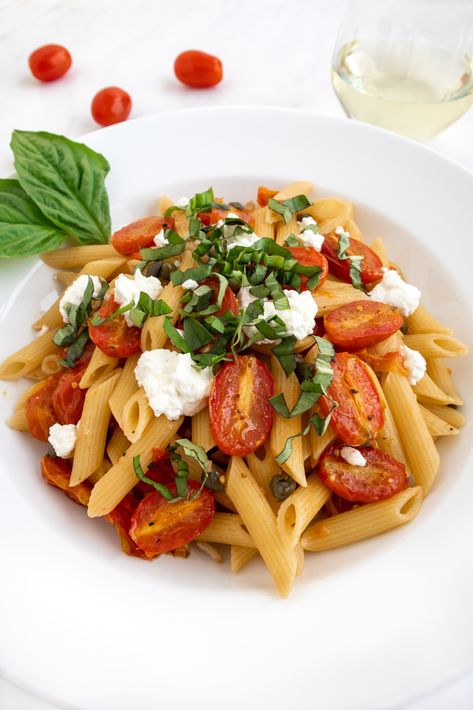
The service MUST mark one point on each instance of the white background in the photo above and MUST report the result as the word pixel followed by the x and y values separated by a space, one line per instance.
pixel 274 52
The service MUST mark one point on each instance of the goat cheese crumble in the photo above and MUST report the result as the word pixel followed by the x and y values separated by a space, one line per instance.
pixel 352 456
pixel 160 240
pixel 394 291
pixel 299 318
pixel 183 201
pixel 307 236
pixel 190 284
pixel 172 384
pixel 414 363
pixel 62 438
pixel 75 293
pixel 128 290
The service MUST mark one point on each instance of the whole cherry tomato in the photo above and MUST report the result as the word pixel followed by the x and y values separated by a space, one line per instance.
pixel 264 195
pixel 159 526
pixel 308 256
pixel 140 234
pixel 198 69
pixel 49 62
pixel 381 478
pixel 359 415
pixel 111 105
pixel 40 413
pixel 371 266
pixel 68 398
pixel 361 324
pixel 240 412
pixel 115 338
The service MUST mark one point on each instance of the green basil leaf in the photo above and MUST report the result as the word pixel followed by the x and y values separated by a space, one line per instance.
pixel 24 229
pixel 195 334
pixel 292 241
pixel 174 336
pixel 66 180
pixel 320 425
pixel 286 208
pixel 75 350
pixel 284 351
pixel 195 452
pixel 200 201
pixel 281 209
pixel 64 336
pixel 355 261
pixel 198 274
pixel 96 320
pixel 164 490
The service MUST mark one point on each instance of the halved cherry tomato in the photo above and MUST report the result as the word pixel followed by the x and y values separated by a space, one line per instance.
pixel 359 415
pixel 371 266
pixel 216 214
pixel 319 328
pixel 381 478
pixel 57 472
pixel 49 62
pixel 115 338
pixel 240 412
pixel 265 194
pixel 40 413
pixel 361 324
pixel 120 517
pixel 337 505
pixel 140 234
pixel 308 256
pixel 229 301
pixel 159 526
pixel 68 398
pixel 198 69
pixel 160 470
pixel 111 105
pixel 391 362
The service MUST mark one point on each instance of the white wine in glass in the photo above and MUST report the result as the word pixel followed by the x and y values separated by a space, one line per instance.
pixel 410 81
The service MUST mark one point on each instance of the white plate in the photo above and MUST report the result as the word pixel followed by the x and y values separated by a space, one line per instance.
pixel 365 627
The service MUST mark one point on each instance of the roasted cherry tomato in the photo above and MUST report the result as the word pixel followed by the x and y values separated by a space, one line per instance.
pixel 319 328
pixel 57 472
pixel 216 214
pixel 111 105
pixel 308 256
pixel 140 234
pixel 264 195
pixel 229 301
pixel 120 517
pixel 159 526
pixel 391 362
pixel 381 478
pixel 240 412
pixel 371 266
pixel 68 398
pixel 160 470
pixel 198 69
pixel 361 324
pixel 359 415
pixel 49 62
pixel 115 338
pixel 40 413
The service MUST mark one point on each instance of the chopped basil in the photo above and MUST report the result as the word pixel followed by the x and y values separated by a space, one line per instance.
pixel 286 208
pixel 196 335
pixel 355 261
pixel 164 490
pixel 75 350
pixel 97 320
pixel 175 247
pixel 194 452
pixel 174 336
pixel 198 274
pixel 292 241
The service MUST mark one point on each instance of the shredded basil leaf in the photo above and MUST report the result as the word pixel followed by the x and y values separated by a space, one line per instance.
pixel 174 336
pixel 75 350
pixel 286 208
pixel 164 490
pixel 355 261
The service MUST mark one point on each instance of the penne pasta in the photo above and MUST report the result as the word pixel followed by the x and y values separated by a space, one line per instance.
pixel 436 425
pixel 99 369
pixel 117 445
pixel 297 511
pixel 449 414
pixel 284 230
pixel 379 248
pixel 263 228
pixel 78 257
pixel 422 322
pixel 333 294
pixel 124 390
pixel 240 556
pixel 442 376
pixel 137 414
pixel 433 345
pixel 263 467
pixel 330 213
pixel 18 420
pixel 28 358
pixel 429 393
pixel 300 187
pixel 227 528
pixel 201 434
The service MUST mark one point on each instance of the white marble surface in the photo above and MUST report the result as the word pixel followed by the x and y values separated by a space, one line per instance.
pixel 274 53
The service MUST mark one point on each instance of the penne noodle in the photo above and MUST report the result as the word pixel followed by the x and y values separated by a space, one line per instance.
pixel 433 345
pixel 353 230
pixel 263 228
pixel 436 425
pixel 297 511
pixel 78 257
pixel 50 364
pixel 92 432
pixel 125 389
pixel 429 393
pixel 379 248
pixel 27 359
pixel 318 444
pixel 333 294
pixel 449 414
pixel 164 203
pixel 283 428
pixel 284 230
pixel 65 278
pixel 201 434
pixel 239 556
pixel 330 213
pixel 422 322
pixel 117 445
pixel 227 528
pixel 18 420
pixel 263 467
pixel 137 414
pixel 442 376
pixel 363 522
pixel 101 471
pixel 99 369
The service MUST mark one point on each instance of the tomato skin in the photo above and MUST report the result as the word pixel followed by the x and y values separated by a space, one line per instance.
pixel 371 266
pixel 381 478
pixel 240 412
pixel 111 105
pixel 359 414
pixel 215 215
pixel 308 256
pixel 115 338
pixel 361 324
pixel 68 399
pixel 40 413
pixel 264 195
pixel 120 517
pixel 158 526
pixel 49 62
pixel 140 234
pixel 198 69
pixel 229 301
pixel 160 470
pixel 391 362
pixel 57 472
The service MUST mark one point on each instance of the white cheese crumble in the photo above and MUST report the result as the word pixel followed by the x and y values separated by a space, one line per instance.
pixel 42 331
pixel 160 240
pixel 341 232
pixel 62 438
pixel 190 284
pixel 228 230
pixel 183 201
pixel 243 240
pixel 75 293
pixel 128 290
pixel 307 236
pixel 172 384
pixel 414 363
pixel 299 318
pixel 396 292
pixel 352 456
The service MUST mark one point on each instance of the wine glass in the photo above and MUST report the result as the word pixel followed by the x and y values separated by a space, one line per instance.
pixel 405 64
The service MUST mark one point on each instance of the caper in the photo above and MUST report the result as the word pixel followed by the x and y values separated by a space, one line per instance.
pixel 282 486
pixel 154 268
pixel 236 205
pixel 215 480
pixel 166 270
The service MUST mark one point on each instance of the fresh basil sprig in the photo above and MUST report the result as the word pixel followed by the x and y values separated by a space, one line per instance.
pixel 286 208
